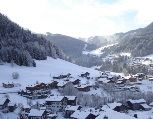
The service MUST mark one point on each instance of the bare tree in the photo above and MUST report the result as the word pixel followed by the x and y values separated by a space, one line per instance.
pixel 15 75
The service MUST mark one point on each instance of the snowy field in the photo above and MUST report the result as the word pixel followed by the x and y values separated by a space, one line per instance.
pixel 43 72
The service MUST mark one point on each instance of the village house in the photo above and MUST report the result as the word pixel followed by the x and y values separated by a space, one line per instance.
pixel 140 76
pixel 11 106
pixel 53 84
pixel 56 103
pixel 145 107
pixel 132 79
pixel 37 114
pixel 61 84
pixel 111 114
pixel 69 110
pixel 101 80
pixel 71 100
pixel 135 104
pixel 94 111
pixel 75 81
pixel 8 85
pixel 51 116
pixel 84 88
pixel 78 114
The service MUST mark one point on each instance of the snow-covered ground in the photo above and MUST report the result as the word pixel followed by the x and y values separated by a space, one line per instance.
pixel 98 51
pixel 43 72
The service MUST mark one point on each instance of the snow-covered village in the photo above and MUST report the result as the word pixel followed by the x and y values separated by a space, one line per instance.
pixel 76 59
pixel 57 89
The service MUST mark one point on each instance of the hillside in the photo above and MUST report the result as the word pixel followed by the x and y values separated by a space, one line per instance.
pixel 73 48
pixel 44 72
pixel 140 43
pixel 22 47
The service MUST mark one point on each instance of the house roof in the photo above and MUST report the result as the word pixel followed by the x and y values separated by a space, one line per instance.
pixel 80 114
pixel 11 103
pixel 52 115
pixel 71 97
pixel 36 112
pixel 54 98
pixel 102 79
pixel 113 105
pixel 151 104
pixel 145 106
pixel 61 83
pixel 72 108
pixel 137 101
pixel 113 115
pixel 82 86
pixel 93 111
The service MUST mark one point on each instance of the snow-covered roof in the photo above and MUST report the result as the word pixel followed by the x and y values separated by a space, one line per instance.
pixel 82 86
pixel 2 100
pixel 93 111
pixel 54 98
pixel 61 83
pixel 71 97
pixel 113 115
pixel 51 115
pixel 102 79
pixel 145 106
pixel 80 114
pixel 137 101
pixel 36 112
pixel 151 104
pixel 72 108
pixel 113 105
pixel 11 103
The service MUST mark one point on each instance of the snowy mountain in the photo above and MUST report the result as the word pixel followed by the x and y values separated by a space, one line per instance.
pixel 73 48
pixel 22 47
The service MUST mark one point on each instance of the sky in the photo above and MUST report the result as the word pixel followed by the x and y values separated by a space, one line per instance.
pixel 79 18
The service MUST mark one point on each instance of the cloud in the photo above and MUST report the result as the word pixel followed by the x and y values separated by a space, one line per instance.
pixel 78 18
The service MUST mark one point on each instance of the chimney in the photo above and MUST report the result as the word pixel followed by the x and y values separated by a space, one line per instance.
pixel 135 115
pixel 105 117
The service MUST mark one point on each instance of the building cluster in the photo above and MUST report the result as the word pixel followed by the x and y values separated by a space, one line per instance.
pixel 67 105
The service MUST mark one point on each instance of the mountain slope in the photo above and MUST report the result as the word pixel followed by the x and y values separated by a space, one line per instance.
pixel 138 42
pixel 44 72
pixel 72 47
pixel 21 46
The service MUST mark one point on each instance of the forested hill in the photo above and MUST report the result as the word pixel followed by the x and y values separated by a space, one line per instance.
pixel 138 42
pixel 22 47
pixel 72 47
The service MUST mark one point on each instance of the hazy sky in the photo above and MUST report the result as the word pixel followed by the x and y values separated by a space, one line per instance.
pixel 79 18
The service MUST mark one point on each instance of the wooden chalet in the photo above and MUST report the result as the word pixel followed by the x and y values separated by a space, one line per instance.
pixel 11 106
pixel 8 85
pixel 85 74
pixel 53 84
pixel 52 116
pixel 76 82
pixel 78 114
pixel 37 114
pixel 71 100
pixel 84 88
pixel 140 75
pixel 69 110
pixel 145 107
pixel 56 103
pixel 132 79
pixel 135 104
pixel 37 87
